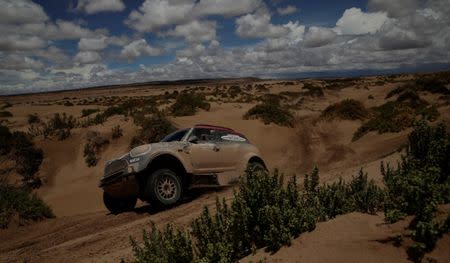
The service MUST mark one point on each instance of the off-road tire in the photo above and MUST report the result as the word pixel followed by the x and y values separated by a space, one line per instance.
pixel 257 167
pixel 164 187
pixel 118 205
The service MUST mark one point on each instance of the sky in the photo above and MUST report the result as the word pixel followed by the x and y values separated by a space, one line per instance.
pixel 56 44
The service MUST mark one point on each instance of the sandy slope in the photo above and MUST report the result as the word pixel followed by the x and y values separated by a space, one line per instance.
pixel 84 231
pixel 352 237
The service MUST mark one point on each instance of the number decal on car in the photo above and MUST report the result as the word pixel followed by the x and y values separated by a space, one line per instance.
pixel 233 137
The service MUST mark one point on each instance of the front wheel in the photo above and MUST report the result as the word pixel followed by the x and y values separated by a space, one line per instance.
pixel 117 205
pixel 164 187
pixel 257 167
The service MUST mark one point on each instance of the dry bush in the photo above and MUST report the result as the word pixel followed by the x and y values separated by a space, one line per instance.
pixel 348 109
pixel 116 132
pixel 271 111
pixel 187 104
pixel 93 146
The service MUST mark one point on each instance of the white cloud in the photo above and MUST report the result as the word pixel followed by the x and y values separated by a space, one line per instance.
pixel 52 54
pixel 319 36
pixel 153 14
pixel 258 25
pixel 356 22
pixel 287 10
pixel 96 6
pixel 94 44
pixel 395 8
pixel 50 31
pixel 87 57
pixel 18 62
pixel 226 7
pixel 289 40
pixel 196 31
pixel 139 48
pixel 21 11
pixel 17 42
pixel 192 51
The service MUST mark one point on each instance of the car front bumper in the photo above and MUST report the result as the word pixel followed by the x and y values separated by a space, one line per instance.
pixel 119 179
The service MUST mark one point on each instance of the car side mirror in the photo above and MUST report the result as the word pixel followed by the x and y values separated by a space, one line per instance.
pixel 193 139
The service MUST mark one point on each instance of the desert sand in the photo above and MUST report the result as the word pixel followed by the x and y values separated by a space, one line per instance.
pixel 84 231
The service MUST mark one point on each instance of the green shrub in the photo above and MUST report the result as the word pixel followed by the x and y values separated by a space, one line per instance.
pixel 87 112
pixel 348 109
pixel 312 90
pixel 422 177
pixel 290 94
pixel 6 105
pixel 117 132
pixel 166 246
pixel 152 129
pixel 416 251
pixel 261 88
pixel 68 104
pixel 262 213
pixel 419 183
pixel 19 147
pixel 359 194
pixel 428 84
pixel 393 116
pixel 234 91
pixel 60 126
pixel 92 148
pixel 5 114
pixel 33 118
pixel 270 110
pixel 188 103
pixel 20 202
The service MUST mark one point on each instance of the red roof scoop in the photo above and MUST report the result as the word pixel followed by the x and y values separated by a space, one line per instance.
pixel 207 126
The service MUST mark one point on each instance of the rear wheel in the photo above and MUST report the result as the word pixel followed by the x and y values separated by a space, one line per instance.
pixel 164 187
pixel 117 205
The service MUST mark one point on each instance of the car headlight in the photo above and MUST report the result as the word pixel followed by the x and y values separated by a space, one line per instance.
pixel 139 150
pixel 134 160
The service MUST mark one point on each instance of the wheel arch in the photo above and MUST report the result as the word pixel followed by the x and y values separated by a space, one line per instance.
pixel 163 160
pixel 256 159
pixel 166 160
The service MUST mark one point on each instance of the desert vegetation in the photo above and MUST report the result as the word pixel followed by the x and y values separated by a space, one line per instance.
pixel 5 114
pixel 347 109
pixel 17 202
pixel 18 147
pixel 312 90
pixel 270 110
pixel 395 116
pixel 116 132
pixel 151 129
pixel 188 103
pixel 87 112
pixel 94 144
pixel 59 126
pixel 265 212
pixel 418 185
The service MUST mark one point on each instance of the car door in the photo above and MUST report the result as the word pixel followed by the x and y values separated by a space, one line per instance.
pixel 204 152
pixel 228 150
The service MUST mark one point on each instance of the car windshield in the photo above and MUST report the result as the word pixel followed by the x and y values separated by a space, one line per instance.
pixel 175 136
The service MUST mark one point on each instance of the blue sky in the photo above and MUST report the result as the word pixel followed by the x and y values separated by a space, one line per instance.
pixel 54 44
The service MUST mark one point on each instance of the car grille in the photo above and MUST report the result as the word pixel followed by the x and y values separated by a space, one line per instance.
pixel 115 167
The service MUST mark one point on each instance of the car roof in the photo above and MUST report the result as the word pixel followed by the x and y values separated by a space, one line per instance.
pixel 207 126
